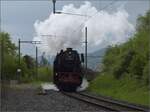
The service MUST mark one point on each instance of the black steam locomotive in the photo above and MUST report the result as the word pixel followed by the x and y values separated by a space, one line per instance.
pixel 67 70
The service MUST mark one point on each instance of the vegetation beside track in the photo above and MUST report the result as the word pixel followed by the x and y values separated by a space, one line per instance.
pixel 125 72
pixel 9 59
pixel 126 89
pixel 44 75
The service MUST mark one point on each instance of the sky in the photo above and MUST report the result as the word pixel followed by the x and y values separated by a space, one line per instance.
pixel 18 17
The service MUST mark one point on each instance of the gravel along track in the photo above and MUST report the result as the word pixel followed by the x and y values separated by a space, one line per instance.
pixel 28 99
pixel 108 104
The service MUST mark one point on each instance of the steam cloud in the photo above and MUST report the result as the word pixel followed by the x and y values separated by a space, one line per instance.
pixel 68 30
pixel 49 86
pixel 83 86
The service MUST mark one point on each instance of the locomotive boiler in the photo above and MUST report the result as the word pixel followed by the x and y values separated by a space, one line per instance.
pixel 67 70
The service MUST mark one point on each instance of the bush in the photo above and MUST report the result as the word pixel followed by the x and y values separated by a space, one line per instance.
pixel 146 76
pixel 45 74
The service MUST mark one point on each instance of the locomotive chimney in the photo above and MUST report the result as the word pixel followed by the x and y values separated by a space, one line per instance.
pixel 69 49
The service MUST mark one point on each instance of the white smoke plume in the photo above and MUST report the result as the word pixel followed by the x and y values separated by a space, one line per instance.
pixel 64 30
pixel 83 86
pixel 49 86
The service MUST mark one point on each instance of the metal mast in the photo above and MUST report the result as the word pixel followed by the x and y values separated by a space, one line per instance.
pixel 54 1
pixel 85 50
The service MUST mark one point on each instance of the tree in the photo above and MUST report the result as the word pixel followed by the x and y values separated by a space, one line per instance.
pixel 132 57
pixel 9 65
pixel 9 47
pixel 143 22
pixel 43 61
pixel 30 62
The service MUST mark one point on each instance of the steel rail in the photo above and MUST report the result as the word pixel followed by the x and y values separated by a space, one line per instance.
pixel 131 106
pixel 88 101
pixel 106 103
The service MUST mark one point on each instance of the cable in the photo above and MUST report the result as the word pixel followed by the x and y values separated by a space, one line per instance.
pixel 88 17
pixel 96 14
pixel 71 14
pixel 95 56
pixel 109 4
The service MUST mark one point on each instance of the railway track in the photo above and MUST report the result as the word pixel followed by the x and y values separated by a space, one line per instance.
pixel 108 104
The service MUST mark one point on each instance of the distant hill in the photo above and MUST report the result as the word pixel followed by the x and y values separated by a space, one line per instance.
pixel 95 59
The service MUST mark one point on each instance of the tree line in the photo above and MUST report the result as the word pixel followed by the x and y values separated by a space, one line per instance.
pixel 131 58
pixel 10 63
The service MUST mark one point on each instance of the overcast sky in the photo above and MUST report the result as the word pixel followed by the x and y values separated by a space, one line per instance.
pixel 18 18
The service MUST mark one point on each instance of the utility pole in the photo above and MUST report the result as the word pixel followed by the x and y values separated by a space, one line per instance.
pixel 29 42
pixel 2 58
pixel 19 51
pixel 85 50
pixel 36 61
pixel 19 65
pixel 54 1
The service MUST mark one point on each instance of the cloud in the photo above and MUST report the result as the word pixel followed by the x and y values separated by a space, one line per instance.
pixel 104 29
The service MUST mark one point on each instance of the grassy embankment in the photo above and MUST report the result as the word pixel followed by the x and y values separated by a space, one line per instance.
pixel 125 74
pixel 125 89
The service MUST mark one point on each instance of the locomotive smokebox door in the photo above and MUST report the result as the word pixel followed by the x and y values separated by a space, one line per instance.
pixel 82 58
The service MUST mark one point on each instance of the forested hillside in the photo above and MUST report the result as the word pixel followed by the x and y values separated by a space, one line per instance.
pixel 126 67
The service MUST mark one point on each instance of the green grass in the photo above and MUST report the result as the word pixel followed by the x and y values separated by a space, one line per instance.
pixel 45 74
pixel 126 89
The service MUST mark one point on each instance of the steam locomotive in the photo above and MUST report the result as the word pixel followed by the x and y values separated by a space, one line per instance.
pixel 67 70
